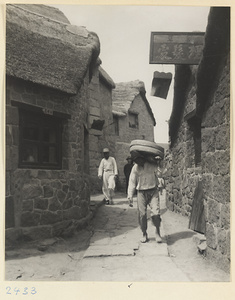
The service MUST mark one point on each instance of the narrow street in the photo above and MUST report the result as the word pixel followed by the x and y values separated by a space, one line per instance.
pixel 109 250
pixel 67 118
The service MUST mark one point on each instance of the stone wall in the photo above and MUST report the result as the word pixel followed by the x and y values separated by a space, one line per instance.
pixel 100 101
pixel 145 131
pixel 213 170
pixel 216 171
pixel 45 203
pixel 183 175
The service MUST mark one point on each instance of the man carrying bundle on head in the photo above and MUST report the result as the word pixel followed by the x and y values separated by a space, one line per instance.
pixel 144 179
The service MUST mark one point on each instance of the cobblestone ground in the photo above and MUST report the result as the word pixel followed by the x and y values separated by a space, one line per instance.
pixel 109 250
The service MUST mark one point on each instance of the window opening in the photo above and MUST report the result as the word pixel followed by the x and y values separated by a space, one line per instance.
pixel 40 140
pixel 133 120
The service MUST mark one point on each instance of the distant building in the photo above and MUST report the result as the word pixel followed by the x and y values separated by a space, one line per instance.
pixel 132 119
pixel 198 183
pixel 49 65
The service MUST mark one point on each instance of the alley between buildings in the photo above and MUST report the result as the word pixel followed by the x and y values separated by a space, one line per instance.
pixel 109 250
pixel 63 109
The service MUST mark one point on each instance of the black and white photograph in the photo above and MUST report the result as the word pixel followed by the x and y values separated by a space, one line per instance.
pixel 117 143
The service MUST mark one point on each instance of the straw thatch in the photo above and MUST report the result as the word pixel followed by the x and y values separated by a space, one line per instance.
pixel 47 51
pixel 125 93
pixel 215 51
pixel 47 11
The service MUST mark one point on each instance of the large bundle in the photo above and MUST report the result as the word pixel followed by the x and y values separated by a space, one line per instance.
pixel 149 150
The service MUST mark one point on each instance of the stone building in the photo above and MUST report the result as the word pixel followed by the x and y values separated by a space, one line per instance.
pixel 198 184
pixel 132 119
pixel 49 66
pixel 101 133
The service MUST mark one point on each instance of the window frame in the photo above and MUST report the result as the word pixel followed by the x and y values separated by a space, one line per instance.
pixel 42 121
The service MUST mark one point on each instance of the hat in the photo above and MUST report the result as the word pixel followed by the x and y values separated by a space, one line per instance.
pixel 106 150
pixel 128 157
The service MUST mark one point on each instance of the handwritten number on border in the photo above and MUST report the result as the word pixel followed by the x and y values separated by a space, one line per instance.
pixel 16 291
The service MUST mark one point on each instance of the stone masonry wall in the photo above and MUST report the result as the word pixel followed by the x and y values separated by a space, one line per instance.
pixel 100 99
pixel 127 134
pixel 182 177
pixel 145 129
pixel 216 171
pixel 182 174
pixel 46 203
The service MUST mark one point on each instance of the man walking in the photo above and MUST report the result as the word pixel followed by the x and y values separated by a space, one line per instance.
pixel 108 170
pixel 144 179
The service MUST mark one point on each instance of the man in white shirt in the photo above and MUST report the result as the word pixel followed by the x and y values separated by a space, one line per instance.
pixel 144 179
pixel 108 170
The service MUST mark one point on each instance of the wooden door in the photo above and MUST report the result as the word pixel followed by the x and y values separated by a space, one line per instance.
pixel 197 218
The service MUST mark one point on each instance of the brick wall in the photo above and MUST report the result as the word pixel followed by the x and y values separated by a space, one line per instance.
pixel 45 203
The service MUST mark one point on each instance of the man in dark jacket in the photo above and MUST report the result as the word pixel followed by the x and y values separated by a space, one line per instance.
pixel 127 170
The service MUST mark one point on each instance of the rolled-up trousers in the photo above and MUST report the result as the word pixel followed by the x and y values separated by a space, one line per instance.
pixel 144 198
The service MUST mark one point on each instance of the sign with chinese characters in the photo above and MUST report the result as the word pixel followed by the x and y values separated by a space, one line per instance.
pixel 176 47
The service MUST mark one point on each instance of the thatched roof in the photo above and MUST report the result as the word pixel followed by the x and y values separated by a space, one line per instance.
pixel 47 11
pixel 215 53
pixel 106 78
pixel 125 93
pixel 48 51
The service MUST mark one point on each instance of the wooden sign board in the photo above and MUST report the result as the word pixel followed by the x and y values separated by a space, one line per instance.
pixel 176 47
pixel 161 84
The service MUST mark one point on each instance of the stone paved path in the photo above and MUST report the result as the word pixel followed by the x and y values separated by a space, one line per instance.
pixel 115 253
pixel 117 232
pixel 110 250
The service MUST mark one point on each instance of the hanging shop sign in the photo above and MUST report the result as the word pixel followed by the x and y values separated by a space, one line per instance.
pixel 161 84
pixel 176 47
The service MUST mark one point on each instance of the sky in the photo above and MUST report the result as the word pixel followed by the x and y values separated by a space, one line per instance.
pixel 124 33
